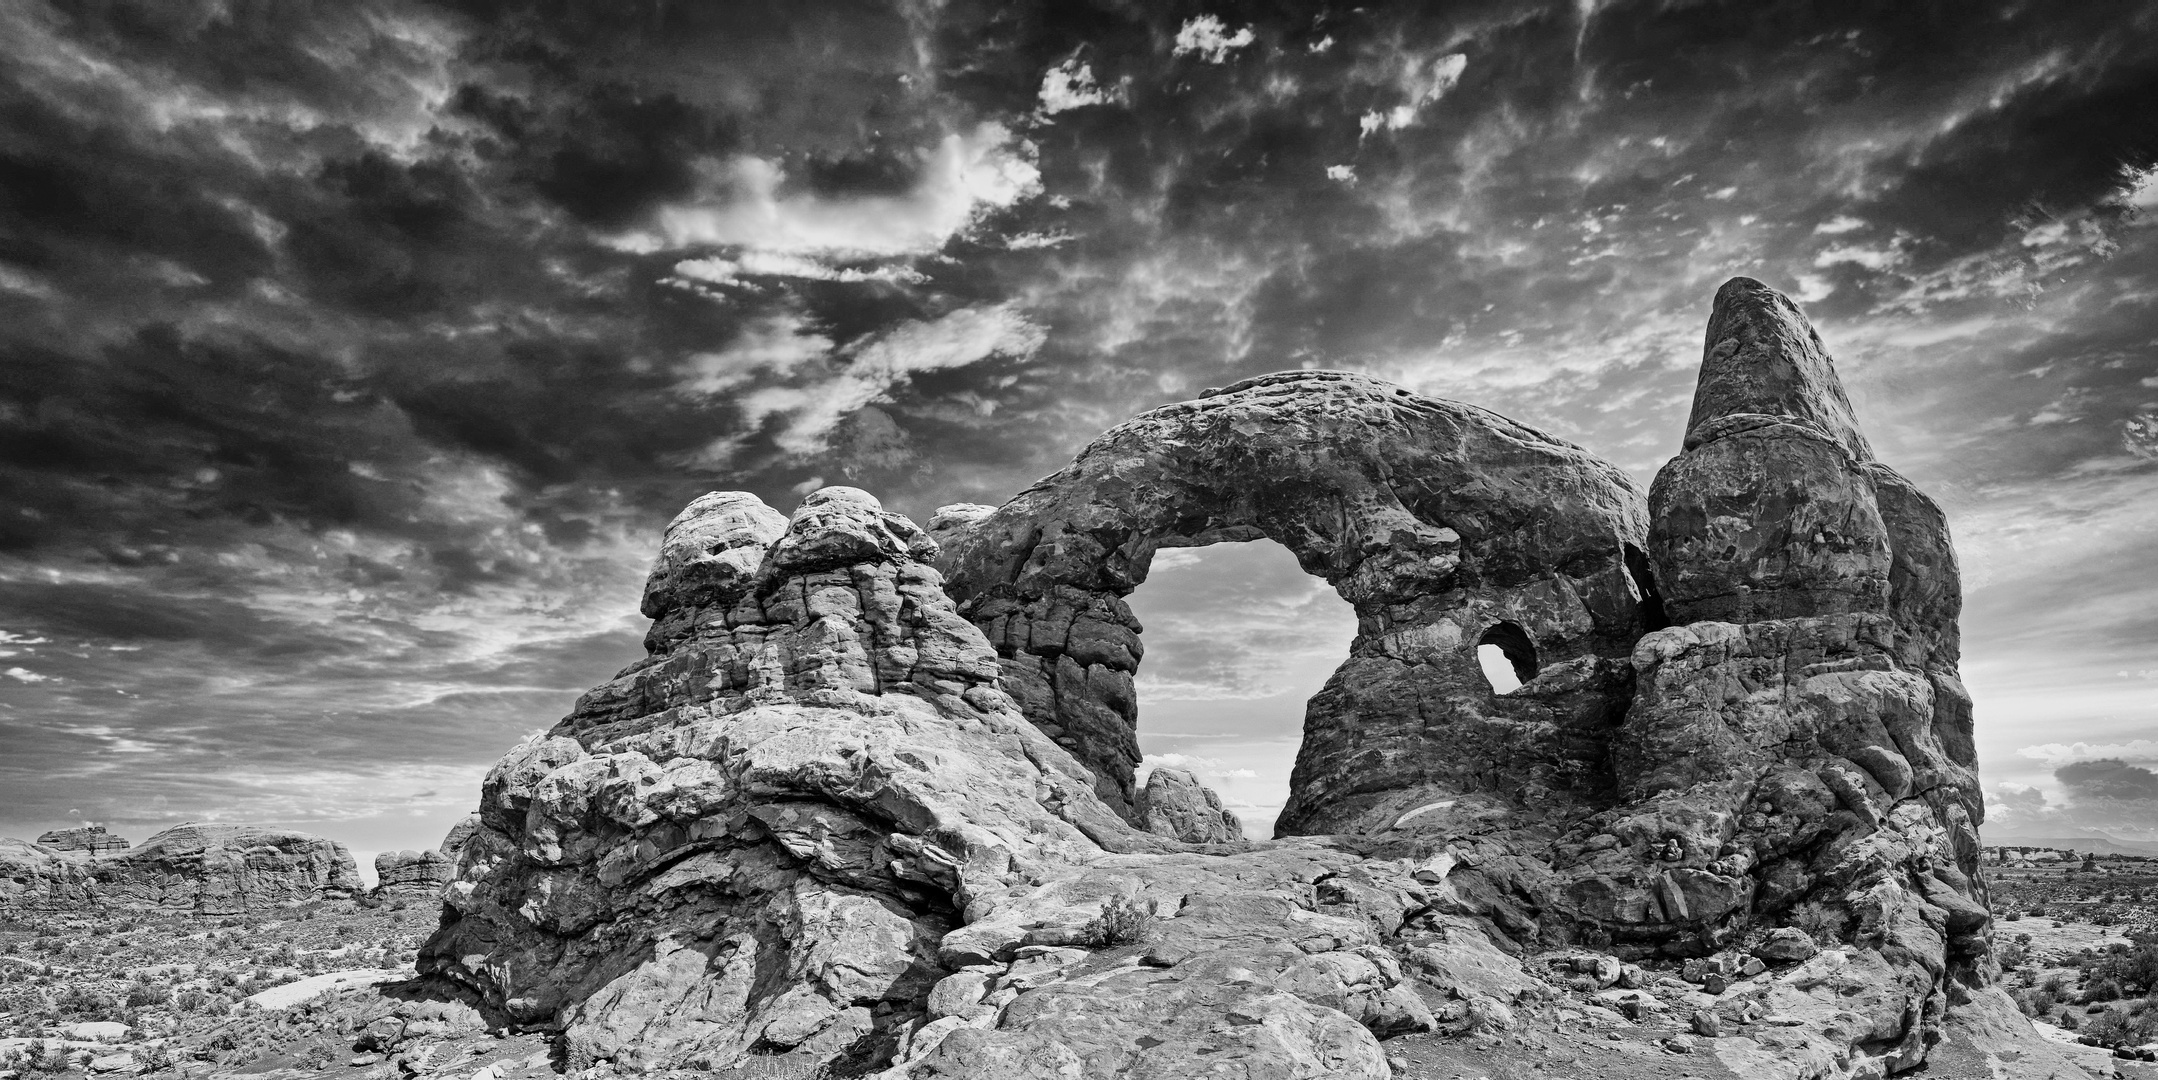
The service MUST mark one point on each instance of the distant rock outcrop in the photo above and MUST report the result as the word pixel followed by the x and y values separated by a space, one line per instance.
pixel 422 873
pixel 89 838
pixel 849 814
pixel 411 873
pixel 1175 804
pixel 209 869
pixel 40 878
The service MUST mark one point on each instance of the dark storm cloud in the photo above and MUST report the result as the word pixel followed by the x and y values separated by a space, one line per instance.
pixel 2108 778
pixel 351 355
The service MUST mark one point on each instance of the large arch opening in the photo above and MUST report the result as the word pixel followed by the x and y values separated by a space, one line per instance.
pixel 1433 519
pixel 1238 639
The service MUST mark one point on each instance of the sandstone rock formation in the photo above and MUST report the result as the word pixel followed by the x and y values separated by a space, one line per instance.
pixel 850 812
pixel 411 873
pixel 1175 804
pixel 39 878
pixel 209 869
pixel 422 873
pixel 1444 525
pixel 90 838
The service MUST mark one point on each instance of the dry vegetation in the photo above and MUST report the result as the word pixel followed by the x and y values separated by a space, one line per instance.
pixel 2078 946
pixel 148 991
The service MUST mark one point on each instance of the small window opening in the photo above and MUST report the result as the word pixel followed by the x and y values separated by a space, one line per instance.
pixel 1507 656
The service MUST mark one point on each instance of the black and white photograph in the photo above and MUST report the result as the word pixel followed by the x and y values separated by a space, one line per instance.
pixel 1071 539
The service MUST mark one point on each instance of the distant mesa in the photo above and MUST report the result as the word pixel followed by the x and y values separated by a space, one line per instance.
pixel 90 838
pixel 209 869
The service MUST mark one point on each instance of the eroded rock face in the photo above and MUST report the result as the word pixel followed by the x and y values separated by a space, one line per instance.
pixel 758 836
pixel 209 869
pixel 39 878
pixel 227 869
pixel 89 838
pixel 1175 804
pixel 848 813
pixel 1441 523
pixel 1800 742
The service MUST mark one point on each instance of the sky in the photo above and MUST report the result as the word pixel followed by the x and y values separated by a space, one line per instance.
pixel 353 354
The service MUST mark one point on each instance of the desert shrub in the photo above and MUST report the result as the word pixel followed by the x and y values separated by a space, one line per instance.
pixel 1121 922
pixel 148 993
pixel 83 1003
pixel 153 1057
pixel 2015 916
pixel 2014 955
pixel 2134 968
pixel 2036 1002
pixel 2067 1021
pixel 45 1056
pixel 2101 989
pixel 1486 1016
pixel 2114 1027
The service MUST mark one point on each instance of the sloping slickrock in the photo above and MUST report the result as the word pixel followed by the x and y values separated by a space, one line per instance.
pixel 90 838
pixel 1444 525
pixel 1175 804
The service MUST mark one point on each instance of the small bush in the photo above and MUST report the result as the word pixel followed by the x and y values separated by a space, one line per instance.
pixel 2036 1003
pixel 83 1003
pixel 43 1055
pixel 153 1057
pixel 1121 922
pixel 147 993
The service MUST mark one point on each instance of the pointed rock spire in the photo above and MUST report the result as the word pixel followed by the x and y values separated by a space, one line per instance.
pixel 1761 356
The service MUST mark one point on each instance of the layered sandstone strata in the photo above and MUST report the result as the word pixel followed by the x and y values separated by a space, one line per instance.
pixel 210 869
pixel 92 839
